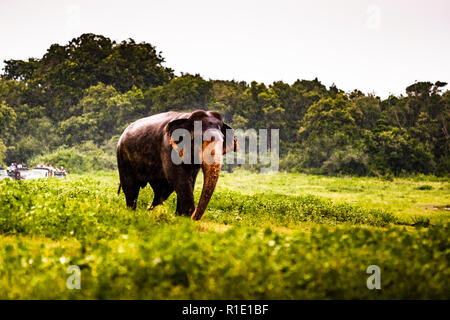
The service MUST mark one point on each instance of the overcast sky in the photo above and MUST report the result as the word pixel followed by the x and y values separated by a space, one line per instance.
pixel 375 46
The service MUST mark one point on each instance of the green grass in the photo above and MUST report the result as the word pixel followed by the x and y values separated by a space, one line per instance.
pixel 279 236
pixel 422 196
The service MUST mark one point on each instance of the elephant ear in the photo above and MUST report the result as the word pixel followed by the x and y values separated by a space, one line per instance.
pixel 198 115
pixel 174 125
pixel 230 142
pixel 216 115
pixel 186 123
pixel 178 124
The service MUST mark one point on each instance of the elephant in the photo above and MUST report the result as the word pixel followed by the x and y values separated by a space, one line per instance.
pixel 145 155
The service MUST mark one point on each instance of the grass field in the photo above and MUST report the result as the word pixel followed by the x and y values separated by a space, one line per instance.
pixel 275 236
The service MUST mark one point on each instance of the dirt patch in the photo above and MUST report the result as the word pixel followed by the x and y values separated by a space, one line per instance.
pixel 439 207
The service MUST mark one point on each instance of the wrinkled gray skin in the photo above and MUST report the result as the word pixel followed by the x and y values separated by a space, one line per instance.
pixel 144 156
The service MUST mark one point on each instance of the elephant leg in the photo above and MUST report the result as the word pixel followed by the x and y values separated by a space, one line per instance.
pixel 162 190
pixel 185 198
pixel 128 181
pixel 182 178
pixel 131 191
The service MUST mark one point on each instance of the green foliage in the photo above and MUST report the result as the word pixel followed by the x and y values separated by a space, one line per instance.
pixel 184 93
pixel 92 88
pixel 176 262
pixel 7 127
pixel 90 59
pixel 396 151
pixel 47 225
pixel 82 158
pixel 101 114
pixel 7 118
pixel 346 161
pixel 2 150
pixel 286 210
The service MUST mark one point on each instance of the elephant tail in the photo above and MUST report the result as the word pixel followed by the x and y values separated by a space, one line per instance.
pixel 120 186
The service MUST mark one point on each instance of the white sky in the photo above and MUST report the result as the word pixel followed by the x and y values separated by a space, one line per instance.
pixel 375 46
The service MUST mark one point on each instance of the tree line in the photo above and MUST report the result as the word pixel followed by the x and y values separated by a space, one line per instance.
pixel 82 95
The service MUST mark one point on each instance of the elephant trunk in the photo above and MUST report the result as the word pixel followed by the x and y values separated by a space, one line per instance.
pixel 211 166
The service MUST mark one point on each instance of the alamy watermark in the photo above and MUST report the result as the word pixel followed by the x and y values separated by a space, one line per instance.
pixel 74 280
pixel 374 281
pixel 73 16
pixel 213 146
pixel 373 17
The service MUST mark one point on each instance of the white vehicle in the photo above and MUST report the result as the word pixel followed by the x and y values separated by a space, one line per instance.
pixel 39 173
pixel 4 174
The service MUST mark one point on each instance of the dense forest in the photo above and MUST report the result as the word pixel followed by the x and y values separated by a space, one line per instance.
pixel 71 105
